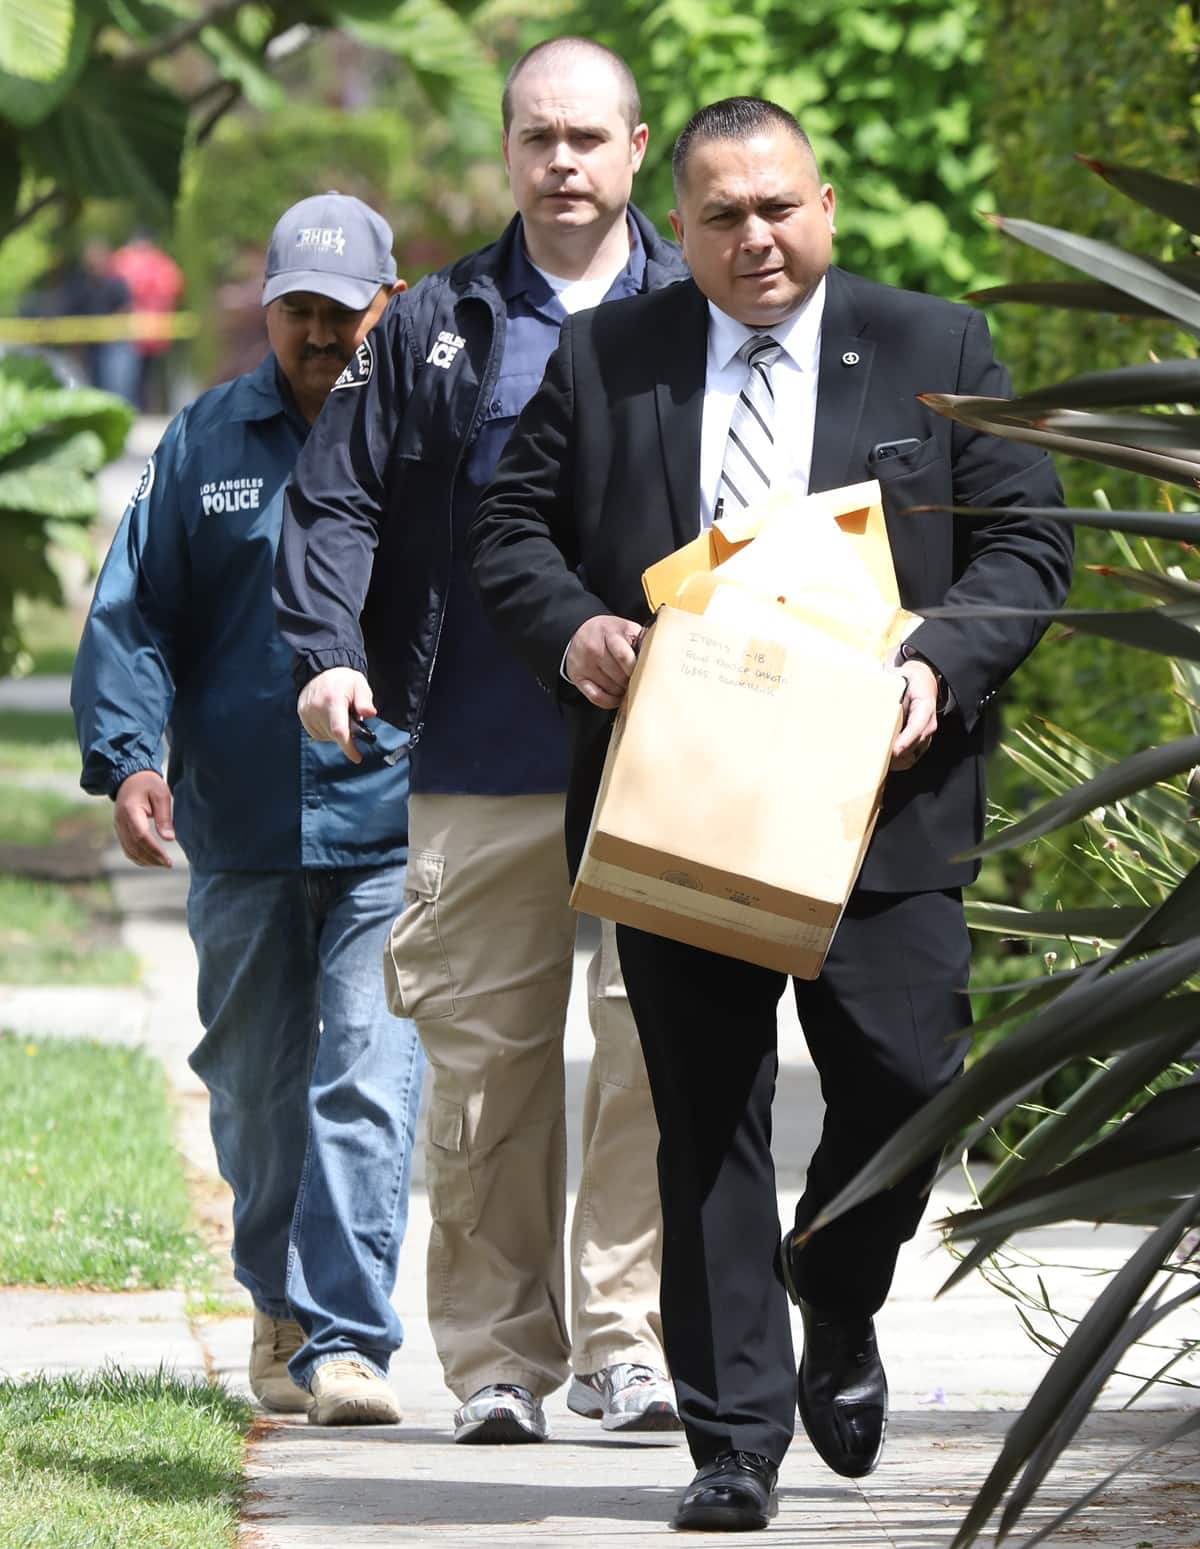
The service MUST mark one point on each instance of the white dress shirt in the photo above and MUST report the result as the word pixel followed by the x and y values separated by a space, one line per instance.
pixel 794 380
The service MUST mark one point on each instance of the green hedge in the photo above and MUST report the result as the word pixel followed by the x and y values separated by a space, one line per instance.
pixel 890 95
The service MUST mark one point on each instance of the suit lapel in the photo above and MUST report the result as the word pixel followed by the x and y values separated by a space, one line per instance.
pixel 845 371
pixel 679 402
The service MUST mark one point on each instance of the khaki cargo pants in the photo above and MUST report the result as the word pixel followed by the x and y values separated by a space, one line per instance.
pixel 481 959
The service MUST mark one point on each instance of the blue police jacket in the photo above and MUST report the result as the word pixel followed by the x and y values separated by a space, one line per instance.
pixel 181 638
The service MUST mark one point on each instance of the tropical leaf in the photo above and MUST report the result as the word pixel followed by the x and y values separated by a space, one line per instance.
pixel 44 417
pixel 1124 271
pixel 445 54
pixel 1098 1014
pixel 1118 780
pixel 118 135
pixel 1058 924
pixel 48 491
pixel 1135 1194
pixel 10 172
pixel 1151 583
pixel 23 561
pixel 1179 433
pixel 80 451
pixel 1165 1130
pixel 1030 993
pixel 236 62
pixel 1171 630
pixel 1153 820
pixel 1154 382
pixel 1105 1094
pixel 26 101
pixel 1094 1336
pixel 1179 202
pixel 27 369
pixel 1178 526
pixel 1079 295
pixel 1004 417
pixel 1074 1412
pixel 35 38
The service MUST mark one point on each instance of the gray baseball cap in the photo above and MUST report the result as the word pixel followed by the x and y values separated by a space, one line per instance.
pixel 333 245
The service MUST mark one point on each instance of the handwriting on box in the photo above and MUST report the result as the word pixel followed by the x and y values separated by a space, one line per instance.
pixel 761 668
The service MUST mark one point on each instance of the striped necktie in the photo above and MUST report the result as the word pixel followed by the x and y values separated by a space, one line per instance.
pixel 750 449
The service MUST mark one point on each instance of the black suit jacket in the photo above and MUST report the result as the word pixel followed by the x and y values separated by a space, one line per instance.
pixel 601 478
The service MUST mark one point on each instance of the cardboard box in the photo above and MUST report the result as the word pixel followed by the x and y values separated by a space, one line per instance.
pixel 743 777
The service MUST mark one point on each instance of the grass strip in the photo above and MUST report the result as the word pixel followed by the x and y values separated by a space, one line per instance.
pixel 55 933
pixel 32 816
pixel 39 740
pixel 50 635
pixel 92 1190
pixel 119 1461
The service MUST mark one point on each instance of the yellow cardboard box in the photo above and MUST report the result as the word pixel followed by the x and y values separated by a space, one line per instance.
pixel 743 777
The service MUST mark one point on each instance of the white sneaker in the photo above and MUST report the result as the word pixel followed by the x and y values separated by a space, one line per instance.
pixel 501 1412
pixel 349 1392
pixel 626 1397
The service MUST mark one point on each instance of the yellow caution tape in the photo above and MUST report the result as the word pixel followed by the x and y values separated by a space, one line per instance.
pixel 99 330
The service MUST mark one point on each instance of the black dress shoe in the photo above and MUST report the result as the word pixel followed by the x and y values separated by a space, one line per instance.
pixel 842 1392
pixel 735 1493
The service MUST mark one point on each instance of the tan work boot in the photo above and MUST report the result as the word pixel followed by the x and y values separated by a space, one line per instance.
pixel 349 1393
pixel 276 1340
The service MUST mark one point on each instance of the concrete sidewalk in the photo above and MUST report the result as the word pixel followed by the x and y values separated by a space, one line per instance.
pixel 957 1368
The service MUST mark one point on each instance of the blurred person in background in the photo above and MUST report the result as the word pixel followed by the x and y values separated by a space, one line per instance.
pixel 155 283
pixel 297 856
pixel 85 287
pixel 482 955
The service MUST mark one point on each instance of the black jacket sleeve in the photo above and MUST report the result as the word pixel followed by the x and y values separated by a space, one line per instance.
pixel 335 503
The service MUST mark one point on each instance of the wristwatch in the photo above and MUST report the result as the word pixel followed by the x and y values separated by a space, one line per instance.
pixel 909 653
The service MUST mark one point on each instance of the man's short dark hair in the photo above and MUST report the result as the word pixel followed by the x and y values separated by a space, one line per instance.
pixel 733 118
pixel 561 50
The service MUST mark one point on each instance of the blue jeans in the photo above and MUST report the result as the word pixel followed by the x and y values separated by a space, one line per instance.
pixel 314 1090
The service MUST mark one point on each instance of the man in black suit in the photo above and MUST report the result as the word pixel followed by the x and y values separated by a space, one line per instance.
pixel 651 411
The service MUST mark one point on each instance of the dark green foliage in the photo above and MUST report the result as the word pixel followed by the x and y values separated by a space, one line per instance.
pixel 889 95
pixel 52 442
pixel 1098 78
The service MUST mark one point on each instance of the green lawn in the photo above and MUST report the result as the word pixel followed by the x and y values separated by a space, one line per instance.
pixel 92 1190
pixel 119 1461
pixel 55 933
pixel 32 816
pixel 38 740
pixel 51 636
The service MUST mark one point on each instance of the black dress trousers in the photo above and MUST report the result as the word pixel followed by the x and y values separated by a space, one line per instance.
pixel 884 1024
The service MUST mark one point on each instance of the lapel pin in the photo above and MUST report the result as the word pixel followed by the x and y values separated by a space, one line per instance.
pixel 850 358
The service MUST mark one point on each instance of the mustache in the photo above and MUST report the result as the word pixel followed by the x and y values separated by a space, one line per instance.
pixel 324 352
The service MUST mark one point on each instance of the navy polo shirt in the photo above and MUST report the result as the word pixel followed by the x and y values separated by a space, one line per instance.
pixel 489 729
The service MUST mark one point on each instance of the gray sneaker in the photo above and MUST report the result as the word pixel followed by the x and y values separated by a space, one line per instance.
pixel 626 1397
pixel 501 1412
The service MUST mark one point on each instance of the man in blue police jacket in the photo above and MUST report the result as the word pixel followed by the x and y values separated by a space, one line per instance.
pixel 297 856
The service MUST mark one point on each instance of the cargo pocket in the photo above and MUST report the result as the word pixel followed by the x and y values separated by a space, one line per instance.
pixel 416 971
pixel 447 1166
